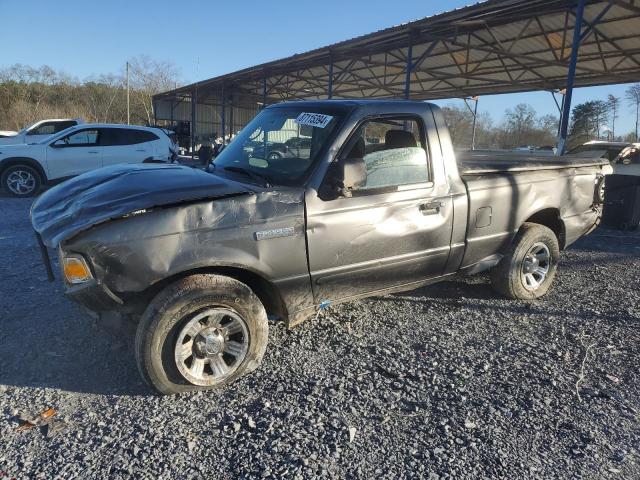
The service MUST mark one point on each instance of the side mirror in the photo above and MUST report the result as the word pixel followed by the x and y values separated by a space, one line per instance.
pixel 353 174
pixel 58 144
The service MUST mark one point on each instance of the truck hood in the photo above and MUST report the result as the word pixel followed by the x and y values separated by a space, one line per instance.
pixel 17 148
pixel 13 140
pixel 118 191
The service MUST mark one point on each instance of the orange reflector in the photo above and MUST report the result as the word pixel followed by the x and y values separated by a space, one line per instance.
pixel 76 270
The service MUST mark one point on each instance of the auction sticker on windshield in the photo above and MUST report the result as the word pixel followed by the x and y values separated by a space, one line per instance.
pixel 313 119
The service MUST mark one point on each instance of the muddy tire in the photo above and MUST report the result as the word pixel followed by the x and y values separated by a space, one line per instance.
pixel 529 265
pixel 21 181
pixel 201 332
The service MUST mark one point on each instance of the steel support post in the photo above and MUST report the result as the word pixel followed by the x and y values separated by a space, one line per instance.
pixel 264 90
pixel 474 112
pixel 475 118
pixel 330 92
pixel 155 113
pixel 407 78
pixel 223 115
pixel 571 75
pixel 194 117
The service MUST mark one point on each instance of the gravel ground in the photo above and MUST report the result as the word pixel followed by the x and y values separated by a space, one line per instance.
pixel 448 381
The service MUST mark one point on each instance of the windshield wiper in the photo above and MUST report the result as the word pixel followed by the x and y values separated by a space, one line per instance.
pixel 249 173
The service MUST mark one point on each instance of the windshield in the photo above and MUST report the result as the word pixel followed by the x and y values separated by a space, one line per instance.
pixel 27 128
pixel 279 146
pixel 56 136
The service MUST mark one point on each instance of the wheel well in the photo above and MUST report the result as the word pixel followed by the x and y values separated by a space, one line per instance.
pixel 266 291
pixel 550 218
pixel 10 162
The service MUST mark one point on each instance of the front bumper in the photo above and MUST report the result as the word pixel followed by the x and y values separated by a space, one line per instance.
pixel 94 296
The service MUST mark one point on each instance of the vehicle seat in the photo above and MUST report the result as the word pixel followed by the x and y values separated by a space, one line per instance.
pixel 398 139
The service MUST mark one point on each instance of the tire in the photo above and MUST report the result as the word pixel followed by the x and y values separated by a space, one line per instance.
pixel 274 156
pixel 172 314
pixel 516 274
pixel 21 181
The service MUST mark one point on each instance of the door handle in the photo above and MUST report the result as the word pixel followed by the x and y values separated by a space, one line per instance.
pixel 140 150
pixel 93 151
pixel 430 208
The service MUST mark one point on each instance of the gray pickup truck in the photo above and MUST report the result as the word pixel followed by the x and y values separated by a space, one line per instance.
pixel 377 204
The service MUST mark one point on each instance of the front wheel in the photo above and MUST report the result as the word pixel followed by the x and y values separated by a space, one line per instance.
pixel 21 181
pixel 529 265
pixel 201 332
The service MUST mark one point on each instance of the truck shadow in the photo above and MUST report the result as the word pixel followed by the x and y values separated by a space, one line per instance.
pixel 468 287
pixel 63 349
pixel 605 240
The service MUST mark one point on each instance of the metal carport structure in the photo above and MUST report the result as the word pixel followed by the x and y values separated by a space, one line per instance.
pixel 497 46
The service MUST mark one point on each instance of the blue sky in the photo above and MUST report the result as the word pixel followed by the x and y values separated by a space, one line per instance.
pixel 208 38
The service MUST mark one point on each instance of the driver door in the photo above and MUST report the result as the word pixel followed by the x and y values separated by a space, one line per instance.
pixel 74 154
pixel 394 231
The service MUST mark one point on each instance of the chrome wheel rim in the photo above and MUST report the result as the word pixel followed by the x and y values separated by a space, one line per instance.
pixel 21 182
pixel 535 266
pixel 211 346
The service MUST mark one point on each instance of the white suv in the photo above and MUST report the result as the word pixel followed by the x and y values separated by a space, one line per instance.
pixel 40 130
pixel 25 168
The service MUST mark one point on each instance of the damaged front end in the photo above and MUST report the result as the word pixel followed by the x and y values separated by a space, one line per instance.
pixel 123 230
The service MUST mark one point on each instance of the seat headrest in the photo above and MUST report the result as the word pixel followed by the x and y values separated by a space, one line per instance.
pixel 357 151
pixel 399 139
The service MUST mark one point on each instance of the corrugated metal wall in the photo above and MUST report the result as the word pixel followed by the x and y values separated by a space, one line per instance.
pixel 208 117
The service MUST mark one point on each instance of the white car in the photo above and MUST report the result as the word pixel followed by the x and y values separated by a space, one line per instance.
pixel 39 131
pixel 25 168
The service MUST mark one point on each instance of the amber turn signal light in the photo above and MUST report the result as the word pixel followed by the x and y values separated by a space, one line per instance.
pixel 76 270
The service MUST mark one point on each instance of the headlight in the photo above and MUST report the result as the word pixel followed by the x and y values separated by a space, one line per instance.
pixel 75 269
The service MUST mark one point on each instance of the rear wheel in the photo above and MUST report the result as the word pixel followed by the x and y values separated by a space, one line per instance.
pixel 21 181
pixel 201 332
pixel 529 265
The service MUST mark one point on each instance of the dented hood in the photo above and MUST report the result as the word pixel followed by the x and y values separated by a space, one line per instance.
pixel 113 192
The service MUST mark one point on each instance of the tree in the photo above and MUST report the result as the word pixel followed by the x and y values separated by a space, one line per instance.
pixel 600 114
pixel 28 94
pixel 519 122
pixel 613 103
pixel 633 97
pixel 521 126
pixel 149 77
pixel 548 123
pixel 460 122
pixel 587 120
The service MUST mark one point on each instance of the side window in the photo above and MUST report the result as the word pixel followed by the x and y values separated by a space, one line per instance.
pixel 141 136
pixel 394 153
pixel 82 138
pixel 64 125
pixel 47 128
pixel 126 136
pixel 113 136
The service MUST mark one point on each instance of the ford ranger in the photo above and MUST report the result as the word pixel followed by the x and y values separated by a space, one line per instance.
pixel 378 203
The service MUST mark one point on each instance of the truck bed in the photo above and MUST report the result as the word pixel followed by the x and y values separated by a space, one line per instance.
pixel 505 188
pixel 488 161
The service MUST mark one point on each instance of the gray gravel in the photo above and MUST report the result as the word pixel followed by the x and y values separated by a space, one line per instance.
pixel 448 381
